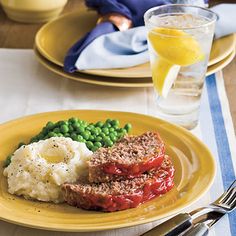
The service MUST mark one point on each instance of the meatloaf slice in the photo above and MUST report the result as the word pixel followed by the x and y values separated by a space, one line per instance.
pixel 121 195
pixel 129 158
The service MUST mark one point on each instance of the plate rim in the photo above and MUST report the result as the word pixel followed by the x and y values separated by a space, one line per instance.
pixel 124 225
pixel 92 81
pixel 221 64
pixel 226 53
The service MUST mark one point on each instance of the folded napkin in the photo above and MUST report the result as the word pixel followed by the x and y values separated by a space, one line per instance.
pixel 132 9
pixel 129 48
pixel 227 19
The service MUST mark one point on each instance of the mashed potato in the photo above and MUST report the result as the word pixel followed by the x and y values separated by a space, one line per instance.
pixel 37 170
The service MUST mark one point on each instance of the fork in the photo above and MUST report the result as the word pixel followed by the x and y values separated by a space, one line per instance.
pixel 227 202
pixel 195 221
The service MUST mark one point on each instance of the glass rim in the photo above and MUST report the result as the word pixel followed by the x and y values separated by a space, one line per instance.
pixel 147 22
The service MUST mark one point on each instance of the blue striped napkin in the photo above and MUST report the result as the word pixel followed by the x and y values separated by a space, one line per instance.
pixel 218 134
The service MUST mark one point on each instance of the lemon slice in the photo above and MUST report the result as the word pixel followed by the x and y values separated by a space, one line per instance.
pixel 175 48
pixel 163 75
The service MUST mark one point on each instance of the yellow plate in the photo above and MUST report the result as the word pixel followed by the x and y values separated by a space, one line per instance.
pixel 93 79
pixel 194 164
pixel 55 38
pixel 117 82
pixel 220 65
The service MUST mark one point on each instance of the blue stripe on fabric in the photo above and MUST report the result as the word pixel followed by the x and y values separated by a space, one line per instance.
pixel 225 158
pixel 206 123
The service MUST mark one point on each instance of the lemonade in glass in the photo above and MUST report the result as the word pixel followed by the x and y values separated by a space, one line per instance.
pixel 179 41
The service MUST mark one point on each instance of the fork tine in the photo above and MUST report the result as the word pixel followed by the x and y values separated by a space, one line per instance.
pixel 226 199
pixel 233 203
pixel 233 185
pixel 230 196
pixel 232 200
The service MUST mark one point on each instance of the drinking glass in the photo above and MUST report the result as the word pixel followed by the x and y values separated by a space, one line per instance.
pixel 179 41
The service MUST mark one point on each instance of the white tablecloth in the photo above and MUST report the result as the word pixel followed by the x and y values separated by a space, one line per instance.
pixel 26 87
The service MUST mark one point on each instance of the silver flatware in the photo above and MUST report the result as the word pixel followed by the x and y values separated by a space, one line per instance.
pixel 198 221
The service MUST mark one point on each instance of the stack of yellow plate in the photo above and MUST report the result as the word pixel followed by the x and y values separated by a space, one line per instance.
pixel 55 38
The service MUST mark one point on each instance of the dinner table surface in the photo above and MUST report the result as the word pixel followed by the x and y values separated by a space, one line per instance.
pixel 21 36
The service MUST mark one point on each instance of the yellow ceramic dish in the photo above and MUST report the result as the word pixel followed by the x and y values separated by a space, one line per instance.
pixel 74 25
pixel 220 65
pixel 33 11
pixel 94 79
pixel 117 82
pixel 194 164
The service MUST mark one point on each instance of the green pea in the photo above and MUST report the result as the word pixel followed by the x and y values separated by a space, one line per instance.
pixel 116 127
pixel 89 144
pixel 71 129
pixel 97 144
pixel 80 129
pixel 85 135
pixel 115 123
pixel 88 132
pixel 84 123
pixel 98 139
pixel 80 138
pixel 91 138
pixel 58 124
pixel 108 120
pixel 56 130
pixel 128 127
pixel 40 136
pixel 79 121
pixel 90 127
pixel 63 122
pixel 108 143
pixel 107 125
pixel 94 149
pixel 123 131
pixel 76 125
pixel 50 125
pixel 94 131
pixel 105 130
pixel 120 135
pixel 59 135
pixel 113 137
pixel 111 129
pixel 67 135
pixel 45 131
pixel 74 136
pixel 33 140
pixel 52 134
pixel 106 138
pixel 7 161
pixel 64 129
pixel 119 130
pixel 102 135
pixel 99 124
pixel 99 130
pixel 73 120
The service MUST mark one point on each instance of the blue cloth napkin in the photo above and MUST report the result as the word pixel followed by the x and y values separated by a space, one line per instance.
pixel 227 19
pixel 129 48
pixel 115 50
pixel 132 9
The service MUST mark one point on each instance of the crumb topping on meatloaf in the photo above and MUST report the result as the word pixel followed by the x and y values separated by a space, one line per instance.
pixel 128 186
pixel 130 150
